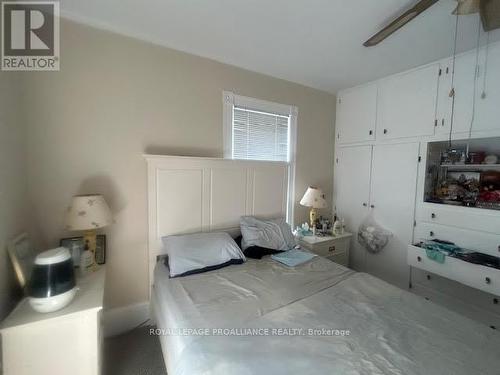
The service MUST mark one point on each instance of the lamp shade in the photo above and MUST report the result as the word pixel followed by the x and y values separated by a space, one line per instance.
pixel 88 212
pixel 313 198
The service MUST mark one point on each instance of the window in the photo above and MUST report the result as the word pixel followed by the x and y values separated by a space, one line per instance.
pixel 258 130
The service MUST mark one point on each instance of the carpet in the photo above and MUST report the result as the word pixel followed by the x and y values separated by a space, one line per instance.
pixel 133 353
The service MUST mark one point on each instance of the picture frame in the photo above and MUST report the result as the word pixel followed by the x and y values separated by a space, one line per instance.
pixel 22 255
pixel 100 249
pixel 76 245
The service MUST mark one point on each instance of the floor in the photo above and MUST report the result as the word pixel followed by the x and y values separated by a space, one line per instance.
pixel 133 353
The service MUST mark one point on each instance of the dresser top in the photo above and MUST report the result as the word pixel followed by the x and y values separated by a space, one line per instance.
pixel 89 296
pixel 319 239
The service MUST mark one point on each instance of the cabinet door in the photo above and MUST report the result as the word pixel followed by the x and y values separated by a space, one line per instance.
pixel 394 181
pixel 352 185
pixel 407 104
pixel 356 114
pixel 488 108
pixel 465 71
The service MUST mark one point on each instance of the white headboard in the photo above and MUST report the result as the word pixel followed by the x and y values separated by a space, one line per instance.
pixel 189 195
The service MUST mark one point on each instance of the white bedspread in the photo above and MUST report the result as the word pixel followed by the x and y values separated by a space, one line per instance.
pixel 390 331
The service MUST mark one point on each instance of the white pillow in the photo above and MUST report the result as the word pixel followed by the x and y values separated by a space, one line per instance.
pixel 200 252
pixel 273 234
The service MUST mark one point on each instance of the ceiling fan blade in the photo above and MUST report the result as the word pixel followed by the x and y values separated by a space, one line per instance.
pixel 399 22
pixel 490 14
pixel 467 7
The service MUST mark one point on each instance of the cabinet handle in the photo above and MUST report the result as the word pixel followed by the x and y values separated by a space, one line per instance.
pixel 495 301
pixel 442 122
pixel 385 131
pixel 433 215
pixel 331 249
pixel 431 233
pixel 370 132
pixel 419 258
pixel 372 206
pixel 498 248
pixel 428 277
pixel 487 280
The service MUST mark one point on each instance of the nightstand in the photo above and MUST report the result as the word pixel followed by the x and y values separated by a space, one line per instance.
pixel 67 341
pixel 335 248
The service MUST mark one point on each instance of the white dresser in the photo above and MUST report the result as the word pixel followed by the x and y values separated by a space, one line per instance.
pixel 335 248
pixel 64 342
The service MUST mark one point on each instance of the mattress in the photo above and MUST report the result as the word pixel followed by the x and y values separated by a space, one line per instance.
pixel 262 317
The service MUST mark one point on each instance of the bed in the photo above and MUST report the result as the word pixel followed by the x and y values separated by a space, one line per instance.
pixel 319 318
pixel 262 317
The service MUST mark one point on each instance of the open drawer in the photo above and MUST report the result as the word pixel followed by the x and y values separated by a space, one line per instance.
pixel 476 276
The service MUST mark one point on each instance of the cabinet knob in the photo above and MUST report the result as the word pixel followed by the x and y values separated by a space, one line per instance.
pixel 431 233
pixel 419 258
pixel 495 301
pixel 366 205
pixel 385 131
pixel 498 248
pixel 372 206
pixel 433 215
pixel 487 280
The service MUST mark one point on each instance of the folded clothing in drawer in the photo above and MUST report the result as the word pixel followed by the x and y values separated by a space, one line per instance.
pixel 438 250
pixel 479 258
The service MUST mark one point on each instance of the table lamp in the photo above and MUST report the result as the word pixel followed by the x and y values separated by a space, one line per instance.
pixel 88 213
pixel 313 198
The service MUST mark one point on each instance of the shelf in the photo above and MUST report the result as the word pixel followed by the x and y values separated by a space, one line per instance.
pixel 470 167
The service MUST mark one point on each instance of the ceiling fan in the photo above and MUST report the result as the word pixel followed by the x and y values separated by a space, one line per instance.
pixel 488 9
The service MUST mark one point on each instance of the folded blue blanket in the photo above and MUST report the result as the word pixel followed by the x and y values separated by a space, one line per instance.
pixel 292 258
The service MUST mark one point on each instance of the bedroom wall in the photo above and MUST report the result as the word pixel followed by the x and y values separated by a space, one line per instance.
pixel 116 98
pixel 13 187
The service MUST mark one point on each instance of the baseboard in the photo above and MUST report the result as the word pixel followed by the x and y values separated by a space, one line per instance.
pixel 122 319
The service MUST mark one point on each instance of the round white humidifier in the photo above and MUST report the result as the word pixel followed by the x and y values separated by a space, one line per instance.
pixel 52 283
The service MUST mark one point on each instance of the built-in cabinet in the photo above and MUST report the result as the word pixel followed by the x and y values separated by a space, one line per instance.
pixel 368 185
pixel 407 104
pixel 392 201
pixel 356 114
pixel 477 92
pixel 487 106
pixel 465 72
pixel 383 131
pixel 353 168
pixel 417 103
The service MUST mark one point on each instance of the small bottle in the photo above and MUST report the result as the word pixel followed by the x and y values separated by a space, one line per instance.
pixel 337 228
pixel 85 259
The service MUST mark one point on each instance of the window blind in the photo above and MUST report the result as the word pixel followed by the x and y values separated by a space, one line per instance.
pixel 260 135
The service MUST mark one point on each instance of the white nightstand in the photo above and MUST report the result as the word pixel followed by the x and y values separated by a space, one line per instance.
pixel 335 248
pixel 67 341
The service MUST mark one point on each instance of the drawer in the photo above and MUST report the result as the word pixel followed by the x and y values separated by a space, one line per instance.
pixel 463 217
pixel 483 242
pixel 483 278
pixel 453 289
pixel 474 312
pixel 329 248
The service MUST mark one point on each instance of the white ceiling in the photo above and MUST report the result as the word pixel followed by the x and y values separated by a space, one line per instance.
pixel 317 43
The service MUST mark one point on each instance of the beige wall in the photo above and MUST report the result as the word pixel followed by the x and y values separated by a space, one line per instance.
pixel 13 187
pixel 116 98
